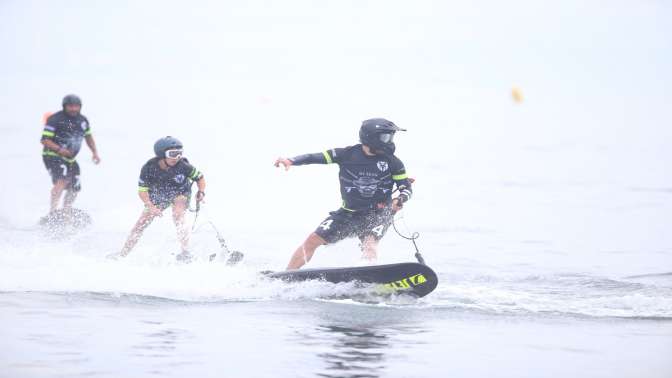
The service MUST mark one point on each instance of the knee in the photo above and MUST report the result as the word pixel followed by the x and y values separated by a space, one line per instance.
pixel 369 242
pixel 60 185
pixel 180 205
pixel 178 214
pixel 145 220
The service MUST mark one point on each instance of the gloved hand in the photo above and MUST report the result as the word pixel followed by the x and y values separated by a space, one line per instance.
pixel 398 203
pixel 200 196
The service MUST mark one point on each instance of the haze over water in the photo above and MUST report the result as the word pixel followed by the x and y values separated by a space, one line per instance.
pixel 547 220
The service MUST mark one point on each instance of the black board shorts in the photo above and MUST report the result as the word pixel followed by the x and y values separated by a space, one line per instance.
pixel 342 224
pixel 166 199
pixel 60 169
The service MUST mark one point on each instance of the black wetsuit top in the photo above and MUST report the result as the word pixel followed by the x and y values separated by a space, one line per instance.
pixel 67 132
pixel 366 181
pixel 166 184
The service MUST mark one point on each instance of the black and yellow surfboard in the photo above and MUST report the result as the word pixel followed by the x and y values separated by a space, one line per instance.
pixel 405 278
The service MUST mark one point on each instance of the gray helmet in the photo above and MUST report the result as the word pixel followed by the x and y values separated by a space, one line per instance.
pixel 72 99
pixel 378 133
pixel 166 143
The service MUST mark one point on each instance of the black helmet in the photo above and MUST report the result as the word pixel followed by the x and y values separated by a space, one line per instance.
pixel 166 143
pixel 378 133
pixel 72 99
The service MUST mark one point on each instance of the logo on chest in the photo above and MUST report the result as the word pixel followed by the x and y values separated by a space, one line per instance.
pixel 366 186
pixel 180 178
pixel 383 166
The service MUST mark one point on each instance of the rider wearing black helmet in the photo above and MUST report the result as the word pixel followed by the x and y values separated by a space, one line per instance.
pixel 62 139
pixel 368 173
pixel 166 180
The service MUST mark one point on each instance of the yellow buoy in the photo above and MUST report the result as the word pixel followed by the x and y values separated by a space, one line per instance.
pixel 517 95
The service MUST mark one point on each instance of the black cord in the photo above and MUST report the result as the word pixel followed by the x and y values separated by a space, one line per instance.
pixel 414 236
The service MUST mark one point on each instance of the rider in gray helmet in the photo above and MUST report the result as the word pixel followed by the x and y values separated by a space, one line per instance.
pixel 165 180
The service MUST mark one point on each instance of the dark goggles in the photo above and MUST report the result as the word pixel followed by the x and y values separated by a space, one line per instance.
pixel 386 137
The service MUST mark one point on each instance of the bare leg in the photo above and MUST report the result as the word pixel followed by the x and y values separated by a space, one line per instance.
pixel 145 220
pixel 70 197
pixel 179 208
pixel 56 193
pixel 370 249
pixel 305 252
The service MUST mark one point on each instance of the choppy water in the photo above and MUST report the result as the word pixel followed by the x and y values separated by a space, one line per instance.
pixel 74 313
pixel 103 334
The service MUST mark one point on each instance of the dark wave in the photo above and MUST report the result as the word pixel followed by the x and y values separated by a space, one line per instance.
pixel 650 275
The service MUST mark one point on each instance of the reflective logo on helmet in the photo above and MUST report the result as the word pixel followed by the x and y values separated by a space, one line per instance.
pixel 383 166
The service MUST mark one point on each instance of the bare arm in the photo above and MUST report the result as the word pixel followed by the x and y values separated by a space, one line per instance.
pixel 325 157
pixel 149 206
pixel 50 144
pixel 201 189
pixel 201 184
pixel 92 146
pixel 144 196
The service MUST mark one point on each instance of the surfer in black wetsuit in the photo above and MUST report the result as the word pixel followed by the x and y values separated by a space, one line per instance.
pixel 62 139
pixel 166 180
pixel 368 173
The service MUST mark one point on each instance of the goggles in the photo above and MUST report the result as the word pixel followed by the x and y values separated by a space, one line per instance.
pixel 386 137
pixel 174 154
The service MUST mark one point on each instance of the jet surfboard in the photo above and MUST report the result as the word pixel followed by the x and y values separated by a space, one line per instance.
pixel 403 278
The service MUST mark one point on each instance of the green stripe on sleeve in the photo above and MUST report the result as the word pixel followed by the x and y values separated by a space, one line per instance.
pixel 143 189
pixel 327 157
pixel 48 133
pixel 195 173
pixel 402 176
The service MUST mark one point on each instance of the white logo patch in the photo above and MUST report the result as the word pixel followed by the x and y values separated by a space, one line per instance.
pixel 382 165
pixel 180 179
pixel 84 124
